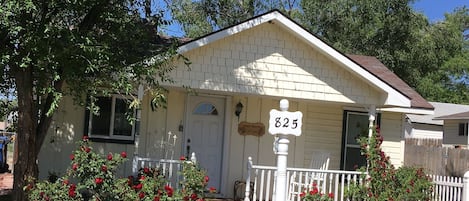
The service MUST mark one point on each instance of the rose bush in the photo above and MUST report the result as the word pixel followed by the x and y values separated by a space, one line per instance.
pixel 384 181
pixel 315 195
pixel 92 177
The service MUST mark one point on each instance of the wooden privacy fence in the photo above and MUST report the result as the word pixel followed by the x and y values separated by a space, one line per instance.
pixel 435 159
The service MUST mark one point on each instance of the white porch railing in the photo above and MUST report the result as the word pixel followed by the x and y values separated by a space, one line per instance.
pixel 169 168
pixel 333 181
pixel 327 181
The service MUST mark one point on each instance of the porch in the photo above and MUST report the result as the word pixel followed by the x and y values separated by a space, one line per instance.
pixel 335 183
pixel 262 180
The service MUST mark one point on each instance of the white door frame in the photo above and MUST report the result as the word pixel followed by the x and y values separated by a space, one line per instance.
pixel 223 191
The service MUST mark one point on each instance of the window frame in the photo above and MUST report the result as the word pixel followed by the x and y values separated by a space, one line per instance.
pixel 344 145
pixel 111 137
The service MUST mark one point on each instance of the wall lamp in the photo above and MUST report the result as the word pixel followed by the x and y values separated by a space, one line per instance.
pixel 239 109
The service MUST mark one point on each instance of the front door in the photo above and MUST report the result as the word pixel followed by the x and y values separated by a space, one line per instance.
pixel 204 134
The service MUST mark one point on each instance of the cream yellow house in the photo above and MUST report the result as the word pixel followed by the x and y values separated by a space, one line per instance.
pixel 253 64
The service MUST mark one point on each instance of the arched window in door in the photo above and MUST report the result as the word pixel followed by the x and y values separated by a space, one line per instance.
pixel 205 109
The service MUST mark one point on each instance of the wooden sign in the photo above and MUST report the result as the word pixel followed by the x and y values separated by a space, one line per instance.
pixel 254 129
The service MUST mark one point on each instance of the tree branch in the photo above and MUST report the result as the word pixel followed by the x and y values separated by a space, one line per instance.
pixel 45 120
pixel 92 17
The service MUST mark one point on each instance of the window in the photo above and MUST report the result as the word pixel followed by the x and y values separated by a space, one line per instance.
pixel 206 109
pixel 111 123
pixel 355 125
pixel 462 129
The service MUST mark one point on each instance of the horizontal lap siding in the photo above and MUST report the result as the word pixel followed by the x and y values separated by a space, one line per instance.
pixel 323 132
pixel 451 133
pixel 391 129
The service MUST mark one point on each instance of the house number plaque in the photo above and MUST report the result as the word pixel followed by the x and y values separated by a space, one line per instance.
pixel 285 122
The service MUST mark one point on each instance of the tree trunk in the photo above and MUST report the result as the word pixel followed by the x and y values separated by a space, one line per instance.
pixel 25 166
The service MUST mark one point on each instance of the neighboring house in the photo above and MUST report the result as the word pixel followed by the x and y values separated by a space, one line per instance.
pixel 254 64
pixel 426 126
pixel 455 129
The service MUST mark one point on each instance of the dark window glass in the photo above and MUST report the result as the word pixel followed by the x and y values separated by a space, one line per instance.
pixel 100 123
pixel 122 125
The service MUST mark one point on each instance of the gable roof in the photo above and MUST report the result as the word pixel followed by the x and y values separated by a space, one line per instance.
pixel 369 69
pixel 374 66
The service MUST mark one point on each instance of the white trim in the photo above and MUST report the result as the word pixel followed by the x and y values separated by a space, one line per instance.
pixel 393 96
pixel 111 135
pixel 226 148
pixel 407 110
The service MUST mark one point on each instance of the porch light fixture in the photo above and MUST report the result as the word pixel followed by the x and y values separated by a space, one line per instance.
pixel 239 109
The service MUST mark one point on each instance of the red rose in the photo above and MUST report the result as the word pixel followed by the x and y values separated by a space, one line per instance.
pixel 206 179
pixel 85 138
pixel 157 198
pixel 87 150
pixel 138 186
pixel 331 195
pixel 302 194
pixel 194 196
pixel 71 193
pixel 182 158
pixel 141 195
pixel 142 178
pixel 66 182
pixel 314 191
pixel 73 186
pixel 123 154
pixel 169 190
pixel 109 157
pixel 130 180
pixel 98 181
pixel 146 170
pixel 212 190
pixel 41 194
pixel 104 168
pixel 72 157
pixel 75 166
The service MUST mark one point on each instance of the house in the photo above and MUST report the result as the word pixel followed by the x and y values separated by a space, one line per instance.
pixel 240 73
pixel 427 126
pixel 455 129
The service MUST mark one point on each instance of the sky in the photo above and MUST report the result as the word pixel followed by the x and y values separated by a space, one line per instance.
pixel 435 9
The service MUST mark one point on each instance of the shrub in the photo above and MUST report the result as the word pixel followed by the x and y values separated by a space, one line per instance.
pixel 383 181
pixel 92 177
pixel 315 195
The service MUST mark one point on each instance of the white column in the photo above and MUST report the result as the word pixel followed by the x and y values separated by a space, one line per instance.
pixel 282 153
pixel 372 117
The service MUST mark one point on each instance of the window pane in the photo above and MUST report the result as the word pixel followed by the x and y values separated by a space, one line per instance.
pixel 206 109
pixel 461 129
pixel 357 126
pixel 121 125
pixel 354 159
pixel 100 123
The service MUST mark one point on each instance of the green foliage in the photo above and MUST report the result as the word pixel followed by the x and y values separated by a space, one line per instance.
pixel 92 176
pixel 432 58
pixel 86 48
pixel 383 181
pixel 198 18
